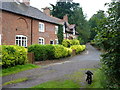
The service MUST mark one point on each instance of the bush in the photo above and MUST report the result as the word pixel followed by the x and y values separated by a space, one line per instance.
pixel 68 43
pixel 75 42
pixel 78 48
pixel 13 55
pixel 50 51
pixel 39 51
pixel 44 52
pixel 61 51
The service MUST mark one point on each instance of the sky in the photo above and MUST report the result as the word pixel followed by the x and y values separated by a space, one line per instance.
pixel 89 6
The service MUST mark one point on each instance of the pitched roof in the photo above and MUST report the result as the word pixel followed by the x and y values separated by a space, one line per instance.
pixel 71 26
pixel 28 11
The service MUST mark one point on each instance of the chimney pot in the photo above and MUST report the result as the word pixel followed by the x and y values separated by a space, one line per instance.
pixel 65 18
pixel 46 10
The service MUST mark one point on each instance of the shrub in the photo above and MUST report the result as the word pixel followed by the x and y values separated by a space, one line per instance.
pixel 69 51
pixel 61 51
pixel 43 52
pixel 68 43
pixel 75 42
pixel 83 47
pixel 39 52
pixel 13 55
pixel 78 48
pixel 50 51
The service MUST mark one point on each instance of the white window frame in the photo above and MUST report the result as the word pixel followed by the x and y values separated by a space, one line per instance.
pixel 53 42
pixel 56 40
pixel 23 42
pixel 73 31
pixel 63 29
pixel 56 29
pixel 41 27
pixel 41 42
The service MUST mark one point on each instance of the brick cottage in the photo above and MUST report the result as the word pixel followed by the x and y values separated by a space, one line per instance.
pixel 69 30
pixel 25 25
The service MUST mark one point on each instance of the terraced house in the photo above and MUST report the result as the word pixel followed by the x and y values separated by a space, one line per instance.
pixel 69 30
pixel 24 25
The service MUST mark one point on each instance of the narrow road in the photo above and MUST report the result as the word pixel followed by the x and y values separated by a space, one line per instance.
pixel 88 59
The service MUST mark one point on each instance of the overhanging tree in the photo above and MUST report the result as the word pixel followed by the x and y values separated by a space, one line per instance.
pixel 94 22
pixel 108 37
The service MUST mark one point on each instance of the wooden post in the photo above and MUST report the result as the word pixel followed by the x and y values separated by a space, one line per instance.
pixel 73 52
pixel 31 58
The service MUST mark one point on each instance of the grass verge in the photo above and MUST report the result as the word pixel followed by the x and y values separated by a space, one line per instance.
pixel 58 84
pixel 17 69
pixel 80 76
pixel 99 80
pixel 16 81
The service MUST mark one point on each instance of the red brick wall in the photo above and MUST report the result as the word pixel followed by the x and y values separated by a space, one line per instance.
pixel 0 22
pixel 49 33
pixel 13 25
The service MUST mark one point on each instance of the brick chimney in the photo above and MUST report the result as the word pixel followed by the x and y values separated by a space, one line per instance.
pixel 46 10
pixel 65 18
pixel 26 2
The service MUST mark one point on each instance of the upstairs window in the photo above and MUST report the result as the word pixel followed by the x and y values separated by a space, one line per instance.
pixel 56 29
pixel 41 27
pixel 73 31
pixel 41 41
pixel 63 29
pixel 21 40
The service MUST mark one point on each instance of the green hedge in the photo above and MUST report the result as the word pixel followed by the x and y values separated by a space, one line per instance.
pixel 68 43
pixel 44 52
pixel 78 48
pixel 13 55
pixel 61 51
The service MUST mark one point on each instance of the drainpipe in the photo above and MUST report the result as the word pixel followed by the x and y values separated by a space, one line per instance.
pixel 31 31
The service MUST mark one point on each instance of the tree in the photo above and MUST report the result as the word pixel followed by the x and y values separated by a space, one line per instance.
pixel 63 8
pixel 94 22
pixel 108 37
pixel 82 26
pixel 60 34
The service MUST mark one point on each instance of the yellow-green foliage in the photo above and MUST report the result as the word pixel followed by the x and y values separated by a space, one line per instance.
pixel 13 55
pixel 69 51
pixel 68 43
pixel 75 42
pixel 61 51
pixel 78 48
pixel 49 52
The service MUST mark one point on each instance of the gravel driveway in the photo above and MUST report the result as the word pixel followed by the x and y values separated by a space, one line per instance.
pixel 88 59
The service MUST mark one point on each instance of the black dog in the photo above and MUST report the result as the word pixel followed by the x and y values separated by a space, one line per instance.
pixel 89 77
